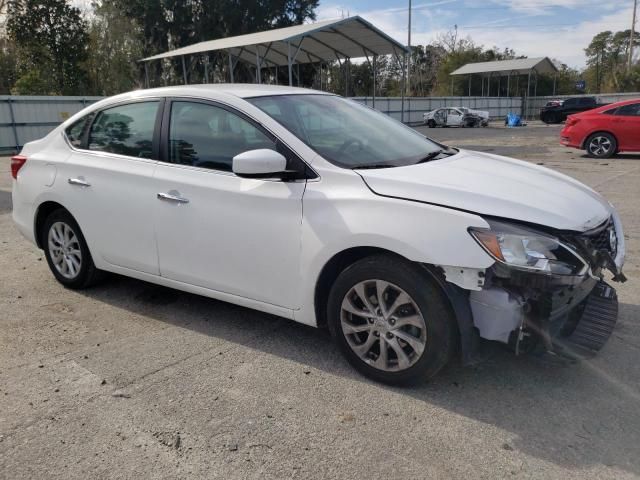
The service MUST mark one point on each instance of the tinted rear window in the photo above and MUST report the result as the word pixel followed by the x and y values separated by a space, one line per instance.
pixel 75 132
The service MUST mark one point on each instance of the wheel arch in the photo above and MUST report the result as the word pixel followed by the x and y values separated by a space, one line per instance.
pixel 330 271
pixel 583 146
pixel 42 212
pixel 455 297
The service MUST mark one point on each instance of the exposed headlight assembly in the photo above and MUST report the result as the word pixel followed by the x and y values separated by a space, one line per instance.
pixel 524 249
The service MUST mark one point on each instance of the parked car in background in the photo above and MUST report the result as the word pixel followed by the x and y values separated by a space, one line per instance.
pixel 482 114
pixel 450 117
pixel 604 131
pixel 556 111
pixel 315 208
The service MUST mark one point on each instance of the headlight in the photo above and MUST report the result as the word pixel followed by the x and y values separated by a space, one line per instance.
pixel 527 249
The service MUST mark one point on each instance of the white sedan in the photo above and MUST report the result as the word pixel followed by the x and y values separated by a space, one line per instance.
pixel 321 210
pixel 455 117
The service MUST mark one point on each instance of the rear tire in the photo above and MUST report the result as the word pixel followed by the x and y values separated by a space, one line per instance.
pixel 404 311
pixel 66 251
pixel 601 145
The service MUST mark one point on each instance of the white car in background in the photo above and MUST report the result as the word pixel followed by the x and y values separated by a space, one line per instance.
pixel 482 114
pixel 455 117
pixel 315 208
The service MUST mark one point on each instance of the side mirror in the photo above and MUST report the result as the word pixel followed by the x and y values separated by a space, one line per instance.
pixel 262 163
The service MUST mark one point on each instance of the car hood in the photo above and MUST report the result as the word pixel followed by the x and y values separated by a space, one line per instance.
pixel 495 186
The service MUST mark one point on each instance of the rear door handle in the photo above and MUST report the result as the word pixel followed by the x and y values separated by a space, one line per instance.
pixel 167 197
pixel 79 181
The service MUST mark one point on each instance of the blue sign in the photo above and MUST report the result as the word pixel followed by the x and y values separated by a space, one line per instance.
pixel 581 84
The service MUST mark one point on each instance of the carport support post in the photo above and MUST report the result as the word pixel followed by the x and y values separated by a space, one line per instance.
pixel 508 84
pixel 231 68
pixel 146 74
pixel 375 58
pixel 528 93
pixel 346 77
pixel 404 89
pixel 469 85
pixel 289 64
pixel 452 86
pixel 258 73
pixel 184 70
pixel 555 76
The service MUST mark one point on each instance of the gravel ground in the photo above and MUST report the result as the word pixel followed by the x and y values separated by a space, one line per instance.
pixel 130 380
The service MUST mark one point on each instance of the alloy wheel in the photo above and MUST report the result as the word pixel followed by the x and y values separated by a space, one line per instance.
pixel 64 249
pixel 599 146
pixel 383 325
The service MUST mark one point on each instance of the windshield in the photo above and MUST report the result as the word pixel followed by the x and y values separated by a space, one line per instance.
pixel 346 133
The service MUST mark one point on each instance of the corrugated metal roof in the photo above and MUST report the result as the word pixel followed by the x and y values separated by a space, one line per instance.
pixel 505 67
pixel 351 37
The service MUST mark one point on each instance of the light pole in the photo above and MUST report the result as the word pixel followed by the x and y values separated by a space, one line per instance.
pixel 633 25
pixel 409 54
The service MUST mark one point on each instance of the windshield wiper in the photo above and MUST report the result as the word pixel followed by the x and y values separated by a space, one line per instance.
pixel 432 155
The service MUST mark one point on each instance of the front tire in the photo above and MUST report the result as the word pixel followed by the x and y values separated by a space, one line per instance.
pixel 66 251
pixel 431 123
pixel 601 145
pixel 391 320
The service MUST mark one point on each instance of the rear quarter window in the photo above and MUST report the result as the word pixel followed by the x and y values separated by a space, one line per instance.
pixel 75 132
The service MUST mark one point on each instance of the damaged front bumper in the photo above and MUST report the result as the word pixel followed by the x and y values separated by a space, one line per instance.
pixel 569 315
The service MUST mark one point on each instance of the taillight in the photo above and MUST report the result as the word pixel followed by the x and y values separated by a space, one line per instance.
pixel 571 121
pixel 17 162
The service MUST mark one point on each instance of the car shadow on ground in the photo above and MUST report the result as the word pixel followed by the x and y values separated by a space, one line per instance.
pixel 617 156
pixel 577 415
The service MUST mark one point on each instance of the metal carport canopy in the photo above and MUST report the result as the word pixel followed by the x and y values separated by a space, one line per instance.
pixel 351 37
pixel 519 66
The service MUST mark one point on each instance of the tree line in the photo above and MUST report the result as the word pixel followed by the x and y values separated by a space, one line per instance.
pixel 51 47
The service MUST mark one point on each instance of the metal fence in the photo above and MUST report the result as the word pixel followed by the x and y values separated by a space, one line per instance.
pixel 498 107
pixel 414 107
pixel 23 119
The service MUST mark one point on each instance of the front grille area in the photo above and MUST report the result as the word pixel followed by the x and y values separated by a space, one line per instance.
pixel 600 238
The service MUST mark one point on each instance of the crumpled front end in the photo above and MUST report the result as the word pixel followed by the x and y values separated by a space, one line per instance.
pixel 546 290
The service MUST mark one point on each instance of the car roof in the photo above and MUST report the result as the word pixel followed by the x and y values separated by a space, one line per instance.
pixel 241 90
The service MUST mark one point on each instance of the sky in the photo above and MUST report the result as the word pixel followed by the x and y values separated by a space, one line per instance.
pixel 559 29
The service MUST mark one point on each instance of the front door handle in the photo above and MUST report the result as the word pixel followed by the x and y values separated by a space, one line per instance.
pixel 79 181
pixel 172 198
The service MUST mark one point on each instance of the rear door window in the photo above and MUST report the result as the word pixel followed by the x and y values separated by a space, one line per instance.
pixel 632 110
pixel 125 129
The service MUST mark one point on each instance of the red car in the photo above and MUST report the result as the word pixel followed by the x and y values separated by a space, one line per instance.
pixel 605 131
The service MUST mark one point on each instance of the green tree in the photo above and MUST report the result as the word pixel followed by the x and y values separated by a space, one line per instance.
pixel 170 24
pixel 51 38
pixel 115 46
pixel 607 63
